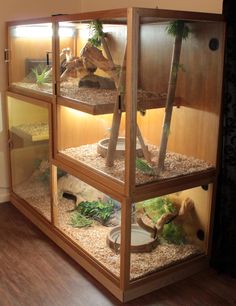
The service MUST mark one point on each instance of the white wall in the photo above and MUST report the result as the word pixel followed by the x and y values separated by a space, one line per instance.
pixel 13 10
pixel 212 6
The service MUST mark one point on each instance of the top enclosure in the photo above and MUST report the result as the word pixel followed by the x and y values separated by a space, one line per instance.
pixel 139 89
pixel 29 53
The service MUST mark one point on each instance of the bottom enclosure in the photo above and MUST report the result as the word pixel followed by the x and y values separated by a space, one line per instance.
pixel 165 230
pixel 169 233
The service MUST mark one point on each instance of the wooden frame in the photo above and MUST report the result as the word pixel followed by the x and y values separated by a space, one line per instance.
pixel 37 94
pixel 126 192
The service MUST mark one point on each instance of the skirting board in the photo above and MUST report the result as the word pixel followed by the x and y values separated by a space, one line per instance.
pixel 4 195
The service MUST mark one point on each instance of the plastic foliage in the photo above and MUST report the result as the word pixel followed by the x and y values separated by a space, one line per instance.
pixel 144 167
pixel 78 220
pixel 97 210
pixel 175 27
pixel 96 32
pixel 157 207
pixel 172 232
pixel 41 74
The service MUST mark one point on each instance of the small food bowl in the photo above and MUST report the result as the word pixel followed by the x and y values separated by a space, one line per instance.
pixel 141 240
pixel 102 147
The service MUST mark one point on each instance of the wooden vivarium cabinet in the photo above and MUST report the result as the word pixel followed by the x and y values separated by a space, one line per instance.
pixel 114 120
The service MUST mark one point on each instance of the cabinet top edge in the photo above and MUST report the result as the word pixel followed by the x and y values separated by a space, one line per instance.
pixel 121 15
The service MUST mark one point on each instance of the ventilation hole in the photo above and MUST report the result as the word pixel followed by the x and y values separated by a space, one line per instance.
pixel 200 234
pixel 205 187
pixel 214 44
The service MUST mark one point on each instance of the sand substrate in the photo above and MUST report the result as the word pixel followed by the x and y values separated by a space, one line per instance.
pixel 93 239
pixel 175 164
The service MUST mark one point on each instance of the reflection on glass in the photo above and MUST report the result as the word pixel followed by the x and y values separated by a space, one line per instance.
pixel 167 230
pixel 85 138
pixel 31 57
pixel 87 215
pixel 91 61
pixel 29 134
pixel 175 120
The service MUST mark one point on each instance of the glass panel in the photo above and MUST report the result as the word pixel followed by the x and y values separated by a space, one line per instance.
pixel 31 57
pixel 85 138
pixel 29 134
pixel 169 229
pixel 89 218
pixel 178 117
pixel 91 61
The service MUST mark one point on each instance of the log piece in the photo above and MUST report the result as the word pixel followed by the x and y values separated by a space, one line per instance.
pixel 95 56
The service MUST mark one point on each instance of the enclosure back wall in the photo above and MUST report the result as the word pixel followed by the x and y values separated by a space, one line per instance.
pixel 199 94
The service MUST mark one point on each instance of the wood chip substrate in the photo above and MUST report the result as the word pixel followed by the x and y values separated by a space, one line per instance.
pixel 175 164
pixel 95 96
pixel 93 239
pixel 33 131
pixel 44 88
pixel 36 193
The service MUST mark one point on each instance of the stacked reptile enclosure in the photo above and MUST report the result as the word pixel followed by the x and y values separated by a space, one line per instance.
pixel 114 123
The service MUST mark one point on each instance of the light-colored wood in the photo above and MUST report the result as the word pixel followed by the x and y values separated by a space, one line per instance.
pixel 29 21
pixel 31 93
pixel 108 108
pixel 54 195
pixel 108 184
pixel 158 188
pixel 76 128
pixel 131 98
pixel 144 147
pixel 164 278
pixel 198 86
pixel 118 15
pixel 89 264
pixel 116 112
pixel 36 49
pixel 136 288
pixel 29 99
pixel 202 209
pixel 199 98
pixel 125 244
pixel 184 15
pixel 116 119
pixel 173 77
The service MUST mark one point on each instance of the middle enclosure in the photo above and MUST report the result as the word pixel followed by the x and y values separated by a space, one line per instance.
pixel 115 91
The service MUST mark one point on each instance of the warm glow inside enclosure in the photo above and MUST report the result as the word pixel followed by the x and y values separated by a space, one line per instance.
pixel 29 155
pixel 87 215
pixel 180 118
pixel 30 57
pixel 90 66
pixel 114 120
pixel 169 229
pixel 84 138
pixel 194 98
pixel 165 230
